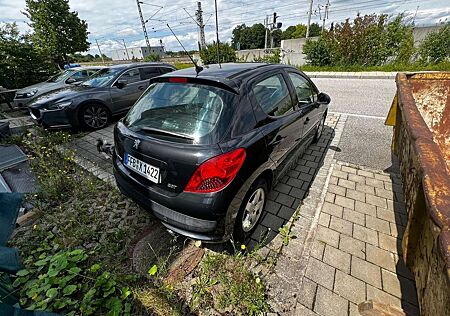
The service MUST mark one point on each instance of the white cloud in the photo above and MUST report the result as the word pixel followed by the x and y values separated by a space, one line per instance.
pixel 110 21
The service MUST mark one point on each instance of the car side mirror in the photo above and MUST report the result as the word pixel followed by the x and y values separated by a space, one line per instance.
pixel 71 80
pixel 121 84
pixel 323 98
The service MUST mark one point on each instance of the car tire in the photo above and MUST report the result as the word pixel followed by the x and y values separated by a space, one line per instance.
pixel 94 116
pixel 319 129
pixel 251 211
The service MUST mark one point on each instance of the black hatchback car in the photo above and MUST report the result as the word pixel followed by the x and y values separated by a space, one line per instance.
pixel 90 105
pixel 202 151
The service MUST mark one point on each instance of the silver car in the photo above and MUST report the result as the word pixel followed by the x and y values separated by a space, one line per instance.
pixel 60 80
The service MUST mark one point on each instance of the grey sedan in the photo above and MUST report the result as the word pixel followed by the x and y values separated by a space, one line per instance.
pixel 60 80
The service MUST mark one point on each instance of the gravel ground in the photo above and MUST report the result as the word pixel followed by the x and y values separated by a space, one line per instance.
pixel 365 140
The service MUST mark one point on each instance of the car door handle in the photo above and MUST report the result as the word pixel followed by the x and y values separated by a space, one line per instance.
pixel 141 88
pixel 307 120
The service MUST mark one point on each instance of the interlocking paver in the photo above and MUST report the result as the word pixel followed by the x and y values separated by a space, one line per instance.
pixel 337 258
pixel 286 212
pixel 272 207
pixel 380 257
pixel 365 234
pixel 387 194
pixel 318 249
pixel 336 189
pixel 321 273
pixel 328 236
pixel 344 202
pixel 349 287
pixel 332 209
pixel 366 271
pixel 295 182
pixel 330 304
pixel 354 217
pixel 365 188
pixel 365 208
pixel 285 199
pixel 272 221
pixel 329 197
pixel 397 230
pixel 376 200
pixel 365 173
pixel 383 177
pixel 387 215
pixel 347 184
pixel 324 219
pixel 356 195
pixel 298 193
pixel 377 224
pixel 375 183
pixel 334 180
pixel 349 169
pixel 283 188
pixel 378 295
pixel 356 178
pixel 340 174
pixel 341 225
pixel 352 246
pixel 399 286
pixel 389 243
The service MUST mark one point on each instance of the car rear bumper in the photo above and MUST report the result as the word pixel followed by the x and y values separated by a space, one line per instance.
pixel 211 229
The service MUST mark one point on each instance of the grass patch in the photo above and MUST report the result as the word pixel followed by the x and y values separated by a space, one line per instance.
pixel 444 66
pixel 226 283
pixel 183 65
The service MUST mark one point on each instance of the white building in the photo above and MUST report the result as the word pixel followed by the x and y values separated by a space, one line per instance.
pixel 136 52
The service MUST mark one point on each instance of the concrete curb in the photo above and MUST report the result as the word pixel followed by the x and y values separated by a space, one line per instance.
pixel 352 75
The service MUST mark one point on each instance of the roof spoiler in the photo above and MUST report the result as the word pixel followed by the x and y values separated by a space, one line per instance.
pixel 181 79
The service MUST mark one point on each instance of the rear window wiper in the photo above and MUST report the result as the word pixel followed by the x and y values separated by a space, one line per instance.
pixel 150 130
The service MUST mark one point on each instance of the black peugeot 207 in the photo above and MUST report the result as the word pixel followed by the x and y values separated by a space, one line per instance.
pixel 202 151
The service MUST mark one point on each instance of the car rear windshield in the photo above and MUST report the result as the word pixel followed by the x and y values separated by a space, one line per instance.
pixel 193 111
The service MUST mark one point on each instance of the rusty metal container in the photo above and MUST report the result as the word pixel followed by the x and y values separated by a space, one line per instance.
pixel 420 114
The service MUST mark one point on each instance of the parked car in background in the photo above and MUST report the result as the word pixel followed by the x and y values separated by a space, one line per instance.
pixel 62 79
pixel 203 151
pixel 91 104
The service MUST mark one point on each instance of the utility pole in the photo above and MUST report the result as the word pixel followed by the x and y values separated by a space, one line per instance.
pixel 217 34
pixel 266 22
pixel 201 25
pixel 274 23
pixel 325 15
pixel 309 17
pixel 124 45
pixel 99 50
pixel 143 24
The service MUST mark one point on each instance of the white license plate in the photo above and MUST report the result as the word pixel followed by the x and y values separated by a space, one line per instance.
pixel 143 168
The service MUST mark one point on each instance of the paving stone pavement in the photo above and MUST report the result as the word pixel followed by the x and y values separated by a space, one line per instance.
pixel 347 245
pixel 356 252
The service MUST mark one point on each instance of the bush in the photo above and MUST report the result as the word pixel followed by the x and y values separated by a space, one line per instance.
pixel 436 46
pixel 209 54
pixel 152 58
pixel 370 40
pixel 273 58
pixel 317 52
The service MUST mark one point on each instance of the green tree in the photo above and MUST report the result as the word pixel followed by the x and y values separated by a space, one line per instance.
pixel 152 58
pixel 300 31
pixel 20 63
pixel 287 33
pixel 209 54
pixel 57 31
pixel 314 30
pixel 249 37
pixel 318 53
pixel 436 46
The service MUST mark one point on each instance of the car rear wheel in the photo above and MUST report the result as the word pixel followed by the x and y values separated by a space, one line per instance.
pixel 320 129
pixel 94 116
pixel 251 210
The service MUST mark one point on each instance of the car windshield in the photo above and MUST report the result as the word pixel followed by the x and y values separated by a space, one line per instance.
pixel 61 76
pixel 182 109
pixel 102 77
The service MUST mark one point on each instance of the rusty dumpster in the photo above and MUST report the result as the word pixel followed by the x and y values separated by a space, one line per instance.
pixel 420 114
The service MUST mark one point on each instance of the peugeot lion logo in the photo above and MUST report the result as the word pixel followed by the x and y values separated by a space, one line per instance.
pixel 136 143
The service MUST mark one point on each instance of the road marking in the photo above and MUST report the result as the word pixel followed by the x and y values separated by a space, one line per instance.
pixel 359 115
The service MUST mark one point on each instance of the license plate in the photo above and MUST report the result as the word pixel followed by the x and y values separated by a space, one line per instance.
pixel 143 168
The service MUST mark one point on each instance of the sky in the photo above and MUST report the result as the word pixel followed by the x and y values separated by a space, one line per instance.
pixel 111 21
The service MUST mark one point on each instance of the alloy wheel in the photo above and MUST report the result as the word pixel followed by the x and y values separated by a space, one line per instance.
pixel 95 116
pixel 253 209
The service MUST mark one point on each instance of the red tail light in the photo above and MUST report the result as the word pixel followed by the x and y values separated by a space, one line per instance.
pixel 178 80
pixel 215 173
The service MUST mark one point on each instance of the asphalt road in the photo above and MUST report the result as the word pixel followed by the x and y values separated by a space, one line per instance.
pixel 366 140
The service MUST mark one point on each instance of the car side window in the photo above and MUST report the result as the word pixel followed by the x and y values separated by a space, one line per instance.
pixel 149 72
pixel 130 76
pixel 303 89
pixel 273 96
pixel 79 74
pixel 165 70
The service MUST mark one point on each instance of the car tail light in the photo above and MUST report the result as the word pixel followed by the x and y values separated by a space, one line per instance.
pixel 178 80
pixel 215 173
